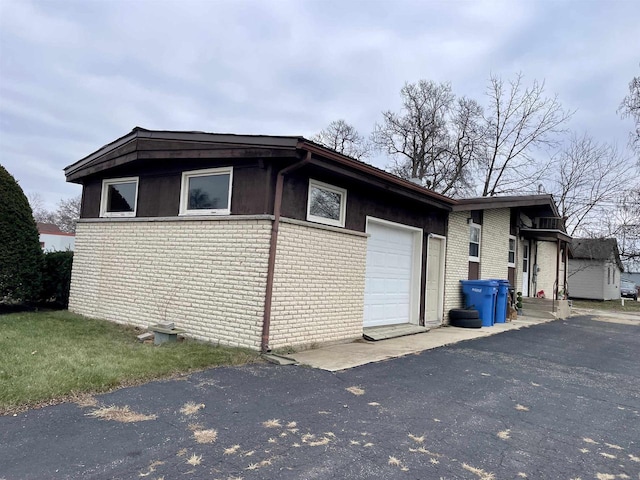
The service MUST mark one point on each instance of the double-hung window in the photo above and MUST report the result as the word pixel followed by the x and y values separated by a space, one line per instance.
pixel 474 242
pixel 512 252
pixel 326 204
pixel 206 192
pixel 119 197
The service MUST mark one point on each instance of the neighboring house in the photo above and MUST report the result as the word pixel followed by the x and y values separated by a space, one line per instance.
pixel 256 241
pixel 518 238
pixel 595 269
pixel 53 239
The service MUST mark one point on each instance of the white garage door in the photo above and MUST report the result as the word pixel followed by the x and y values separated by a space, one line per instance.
pixel 389 275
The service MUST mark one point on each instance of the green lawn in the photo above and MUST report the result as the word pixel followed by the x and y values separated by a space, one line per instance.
pixel 609 305
pixel 46 356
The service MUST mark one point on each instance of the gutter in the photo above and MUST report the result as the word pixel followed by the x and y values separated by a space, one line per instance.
pixel 273 246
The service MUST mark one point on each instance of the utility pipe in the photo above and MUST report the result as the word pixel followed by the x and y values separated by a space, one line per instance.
pixel 273 245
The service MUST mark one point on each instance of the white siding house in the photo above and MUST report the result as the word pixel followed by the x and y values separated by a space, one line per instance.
pixel 52 239
pixel 594 269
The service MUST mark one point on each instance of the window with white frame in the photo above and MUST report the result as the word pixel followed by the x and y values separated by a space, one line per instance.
pixel 326 204
pixel 206 192
pixel 511 262
pixel 119 197
pixel 474 242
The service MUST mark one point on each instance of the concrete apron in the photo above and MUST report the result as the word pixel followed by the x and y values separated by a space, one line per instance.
pixel 348 355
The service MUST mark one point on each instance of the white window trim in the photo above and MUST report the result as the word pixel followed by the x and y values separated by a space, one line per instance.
pixel 103 197
pixel 479 227
pixel 515 246
pixel 184 191
pixel 343 204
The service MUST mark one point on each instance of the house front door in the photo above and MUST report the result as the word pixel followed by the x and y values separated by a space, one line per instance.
pixel 525 270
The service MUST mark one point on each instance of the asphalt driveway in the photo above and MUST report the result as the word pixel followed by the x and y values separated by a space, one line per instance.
pixel 558 400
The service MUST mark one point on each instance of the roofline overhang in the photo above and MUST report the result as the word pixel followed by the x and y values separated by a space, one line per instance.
pixel 514 201
pixel 384 179
pixel 255 141
pixel 544 234
pixel 322 156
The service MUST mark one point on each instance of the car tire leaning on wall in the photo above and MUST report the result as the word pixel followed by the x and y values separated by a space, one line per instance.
pixel 464 318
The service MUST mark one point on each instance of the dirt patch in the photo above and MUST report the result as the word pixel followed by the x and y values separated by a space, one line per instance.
pixel 355 390
pixel 190 408
pixel 119 414
pixel 205 436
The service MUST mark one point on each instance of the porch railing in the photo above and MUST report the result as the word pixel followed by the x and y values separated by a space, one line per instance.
pixel 549 223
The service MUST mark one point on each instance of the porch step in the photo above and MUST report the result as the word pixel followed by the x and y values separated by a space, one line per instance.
pixel 392 331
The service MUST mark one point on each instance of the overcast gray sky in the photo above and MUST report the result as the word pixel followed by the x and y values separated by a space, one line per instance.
pixel 75 75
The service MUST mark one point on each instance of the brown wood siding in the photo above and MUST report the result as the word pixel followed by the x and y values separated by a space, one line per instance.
pixel 474 271
pixel 159 187
pixel 362 201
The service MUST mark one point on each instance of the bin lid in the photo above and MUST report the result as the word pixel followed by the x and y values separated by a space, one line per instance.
pixel 480 283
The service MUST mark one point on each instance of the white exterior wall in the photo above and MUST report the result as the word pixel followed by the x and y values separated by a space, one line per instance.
pixel 57 243
pixel 318 291
pixel 611 289
pixel 546 275
pixel 457 261
pixel 207 276
pixel 585 279
pixel 494 244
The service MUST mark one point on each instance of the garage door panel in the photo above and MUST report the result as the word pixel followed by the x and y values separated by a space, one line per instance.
pixel 389 273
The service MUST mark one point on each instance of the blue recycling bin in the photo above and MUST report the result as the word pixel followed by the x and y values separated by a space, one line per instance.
pixel 481 295
pixel 502 300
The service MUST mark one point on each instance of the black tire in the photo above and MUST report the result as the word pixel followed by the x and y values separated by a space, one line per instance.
pixel 463 314
pixel 466 323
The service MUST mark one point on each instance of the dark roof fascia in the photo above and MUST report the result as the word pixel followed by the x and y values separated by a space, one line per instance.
pixel 513 201
pixel 382 178
pixel 545 234
pixel 324 158
pixel 74 171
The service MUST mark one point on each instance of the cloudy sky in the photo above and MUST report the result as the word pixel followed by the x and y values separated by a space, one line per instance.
pixel 75 75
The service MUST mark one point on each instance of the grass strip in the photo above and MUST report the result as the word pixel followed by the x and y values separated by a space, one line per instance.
pixel 47 356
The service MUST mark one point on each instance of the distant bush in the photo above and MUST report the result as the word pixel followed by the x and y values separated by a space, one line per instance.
pixel 56 278
pixel 20 252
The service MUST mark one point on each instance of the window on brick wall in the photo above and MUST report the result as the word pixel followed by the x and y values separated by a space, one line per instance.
pixel 119 197
pixel 326 204
pixel 511 262
pixel 206 192
pixel 475 232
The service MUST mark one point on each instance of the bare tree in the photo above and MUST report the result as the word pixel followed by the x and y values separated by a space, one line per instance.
pixel 65 216
pixel 434 138
pixel 40 213
pixel 68 213
pixel 590 178
pixel 519 122
pixel 343 138
pixel 630 108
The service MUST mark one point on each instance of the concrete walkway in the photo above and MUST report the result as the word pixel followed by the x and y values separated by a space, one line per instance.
pixel 348 355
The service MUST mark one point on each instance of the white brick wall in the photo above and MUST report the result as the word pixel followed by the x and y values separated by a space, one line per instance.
pixel 494 246
pixel 209 275
pixel 457 262
pixel 318 292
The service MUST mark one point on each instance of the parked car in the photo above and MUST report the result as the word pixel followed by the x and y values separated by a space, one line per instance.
pixel 628 290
